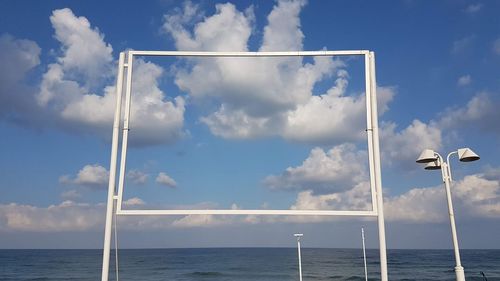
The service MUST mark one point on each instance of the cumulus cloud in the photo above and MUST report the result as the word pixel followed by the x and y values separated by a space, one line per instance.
pixel 356 198
pixel 165 180
pixel 83 48
pixel 76 92
pixel 464 80
pixel 283 30
pixel 95 176
pixel 333 117
pixel 199 220
pixel 404 146
pixel 72 216
pixel 227 30
pixel 67 216
pixel 338 169
pixel 266 96
pixel 138 177
pixel 134 201
pixel 86 57
pixel 474 196
pixel 480 113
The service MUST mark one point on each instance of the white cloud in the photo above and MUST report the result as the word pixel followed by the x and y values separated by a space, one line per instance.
pixel 479 114
pixel 475 196
pixel 227 30
pixel 403 147
pixel 417 205
pixel 338 169
pixel 137 176
pixel 356 198
pixel 464 80
pixel 166 180
pixel 333 117
pixel 199 221
pixel 84 50
pixel 67 216
pixel 473 8
pixel 71 216
pixel 134 201
pixel 153 118
pixel 266 96
pixel 283 29
pixel 190 221
pixel 90 175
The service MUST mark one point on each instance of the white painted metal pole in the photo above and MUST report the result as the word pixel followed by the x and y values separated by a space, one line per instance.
pixel 459 270
pixel 369 131
pixel 300 258
pixel 112 171
pixel 364 252
pixel 378 173
pixel 126 120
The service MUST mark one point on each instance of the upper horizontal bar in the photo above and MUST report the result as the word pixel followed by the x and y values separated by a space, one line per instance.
pixel 248 54
pixel 247 212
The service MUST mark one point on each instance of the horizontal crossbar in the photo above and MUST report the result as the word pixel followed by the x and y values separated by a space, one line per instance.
pixel 247 212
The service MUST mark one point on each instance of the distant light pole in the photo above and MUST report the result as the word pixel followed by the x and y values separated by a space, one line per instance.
pixel 434 161
pixel 364 252
pixel 299 235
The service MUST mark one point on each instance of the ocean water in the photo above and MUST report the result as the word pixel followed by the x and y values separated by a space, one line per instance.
pixel 245 264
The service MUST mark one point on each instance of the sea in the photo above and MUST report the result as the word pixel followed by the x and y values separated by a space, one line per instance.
pixel 245 264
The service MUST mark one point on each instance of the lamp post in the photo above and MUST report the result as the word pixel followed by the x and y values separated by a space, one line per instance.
pixel 434 161
pixel 299 235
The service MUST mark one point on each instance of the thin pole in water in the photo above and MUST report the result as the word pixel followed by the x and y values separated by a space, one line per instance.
pixel 298 235
pixel 364 252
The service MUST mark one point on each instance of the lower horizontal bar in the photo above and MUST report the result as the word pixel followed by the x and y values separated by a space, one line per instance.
pixel 246 212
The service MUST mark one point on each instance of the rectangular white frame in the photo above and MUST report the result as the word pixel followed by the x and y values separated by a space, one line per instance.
pixel 115 195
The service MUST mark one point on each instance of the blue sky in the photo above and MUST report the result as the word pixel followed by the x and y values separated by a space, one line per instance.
pixel 276 133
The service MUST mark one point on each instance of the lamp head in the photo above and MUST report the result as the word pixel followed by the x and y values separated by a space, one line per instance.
pixel 435 165
pixel 298 235
pixel 427 156
pixel 467 155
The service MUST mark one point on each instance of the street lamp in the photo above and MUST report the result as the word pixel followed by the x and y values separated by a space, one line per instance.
pixel 434 161
pixel 299 235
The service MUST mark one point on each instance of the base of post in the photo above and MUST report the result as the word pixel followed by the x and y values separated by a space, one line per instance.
pixel 459 271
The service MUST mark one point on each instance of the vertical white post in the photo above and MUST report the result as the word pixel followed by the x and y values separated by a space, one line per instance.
pixel 364 252
pixel 378 174
pixel 298 235
pixel 112 171
pixel 459 270
pixel 369 131
pixel 126 120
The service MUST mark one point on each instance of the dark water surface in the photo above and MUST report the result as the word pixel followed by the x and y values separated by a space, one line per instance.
pixel 245 264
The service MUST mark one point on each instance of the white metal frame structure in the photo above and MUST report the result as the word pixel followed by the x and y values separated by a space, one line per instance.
pixel 124 88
